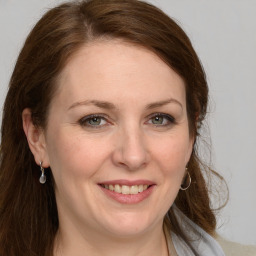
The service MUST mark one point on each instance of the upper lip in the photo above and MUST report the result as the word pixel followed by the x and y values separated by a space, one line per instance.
pixel 127 182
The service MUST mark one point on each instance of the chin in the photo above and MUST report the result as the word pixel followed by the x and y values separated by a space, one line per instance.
pixel 129 224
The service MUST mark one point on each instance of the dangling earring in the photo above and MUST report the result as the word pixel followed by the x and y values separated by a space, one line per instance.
pixel 186 182
pixel 42 178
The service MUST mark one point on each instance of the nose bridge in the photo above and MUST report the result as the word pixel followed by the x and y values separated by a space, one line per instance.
pixel 131 151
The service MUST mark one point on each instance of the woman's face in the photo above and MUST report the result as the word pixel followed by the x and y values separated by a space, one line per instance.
pixel 117 139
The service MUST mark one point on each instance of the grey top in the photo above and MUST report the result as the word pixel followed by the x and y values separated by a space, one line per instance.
pixel 202 242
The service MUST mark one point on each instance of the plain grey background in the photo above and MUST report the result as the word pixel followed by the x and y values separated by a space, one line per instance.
pixel 223 33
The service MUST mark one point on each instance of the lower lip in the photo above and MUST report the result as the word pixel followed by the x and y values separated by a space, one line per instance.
pixel 128 199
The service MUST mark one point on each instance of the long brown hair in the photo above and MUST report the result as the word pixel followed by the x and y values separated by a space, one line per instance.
pixel 28 211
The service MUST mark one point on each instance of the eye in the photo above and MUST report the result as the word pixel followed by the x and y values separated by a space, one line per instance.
pixel 94 121
pixel 157 120
pixel 160 119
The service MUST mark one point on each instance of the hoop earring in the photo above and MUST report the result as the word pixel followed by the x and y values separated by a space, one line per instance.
pixel 187 182
pixel 42 178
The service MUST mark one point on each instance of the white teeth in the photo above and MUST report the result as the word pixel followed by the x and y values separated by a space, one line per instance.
pixel 140 188
pixel 134 190
pixel 126 190
pixel 117 189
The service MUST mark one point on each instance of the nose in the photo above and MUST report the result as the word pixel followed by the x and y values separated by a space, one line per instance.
pixel 131 150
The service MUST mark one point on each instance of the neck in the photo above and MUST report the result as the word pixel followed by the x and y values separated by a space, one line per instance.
pixel 76 242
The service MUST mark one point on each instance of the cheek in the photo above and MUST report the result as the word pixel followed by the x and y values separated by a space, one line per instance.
pixel 173 161
pixel 74 156
pixel 170 158
pixel 172 155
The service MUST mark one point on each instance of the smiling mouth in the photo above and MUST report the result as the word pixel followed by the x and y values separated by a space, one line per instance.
pixel 126 190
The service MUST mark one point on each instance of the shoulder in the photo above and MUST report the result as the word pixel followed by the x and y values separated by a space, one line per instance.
pixel 235 249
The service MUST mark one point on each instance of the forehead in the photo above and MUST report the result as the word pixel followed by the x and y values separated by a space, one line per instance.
pixel 108 69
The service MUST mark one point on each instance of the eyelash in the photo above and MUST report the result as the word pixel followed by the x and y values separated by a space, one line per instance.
pixel 84 121
pixel 170 119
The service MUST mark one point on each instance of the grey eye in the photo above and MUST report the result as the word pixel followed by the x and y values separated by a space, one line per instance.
pixel 161 119
pixel 95 120
pixel 157 120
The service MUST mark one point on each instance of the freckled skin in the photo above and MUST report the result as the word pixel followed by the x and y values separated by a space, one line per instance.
pixel 126 146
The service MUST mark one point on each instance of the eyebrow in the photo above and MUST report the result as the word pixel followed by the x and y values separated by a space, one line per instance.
pixel 110 106
pixel 97 103
pixel 162 103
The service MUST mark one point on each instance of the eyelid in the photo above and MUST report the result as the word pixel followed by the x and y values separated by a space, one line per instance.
pixel 82 121
pixel 170 118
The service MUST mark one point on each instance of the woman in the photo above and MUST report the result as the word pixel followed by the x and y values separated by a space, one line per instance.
pixel 99 131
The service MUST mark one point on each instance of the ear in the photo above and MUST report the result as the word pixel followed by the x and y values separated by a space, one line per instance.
pixel 190 148
pixel 36 139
